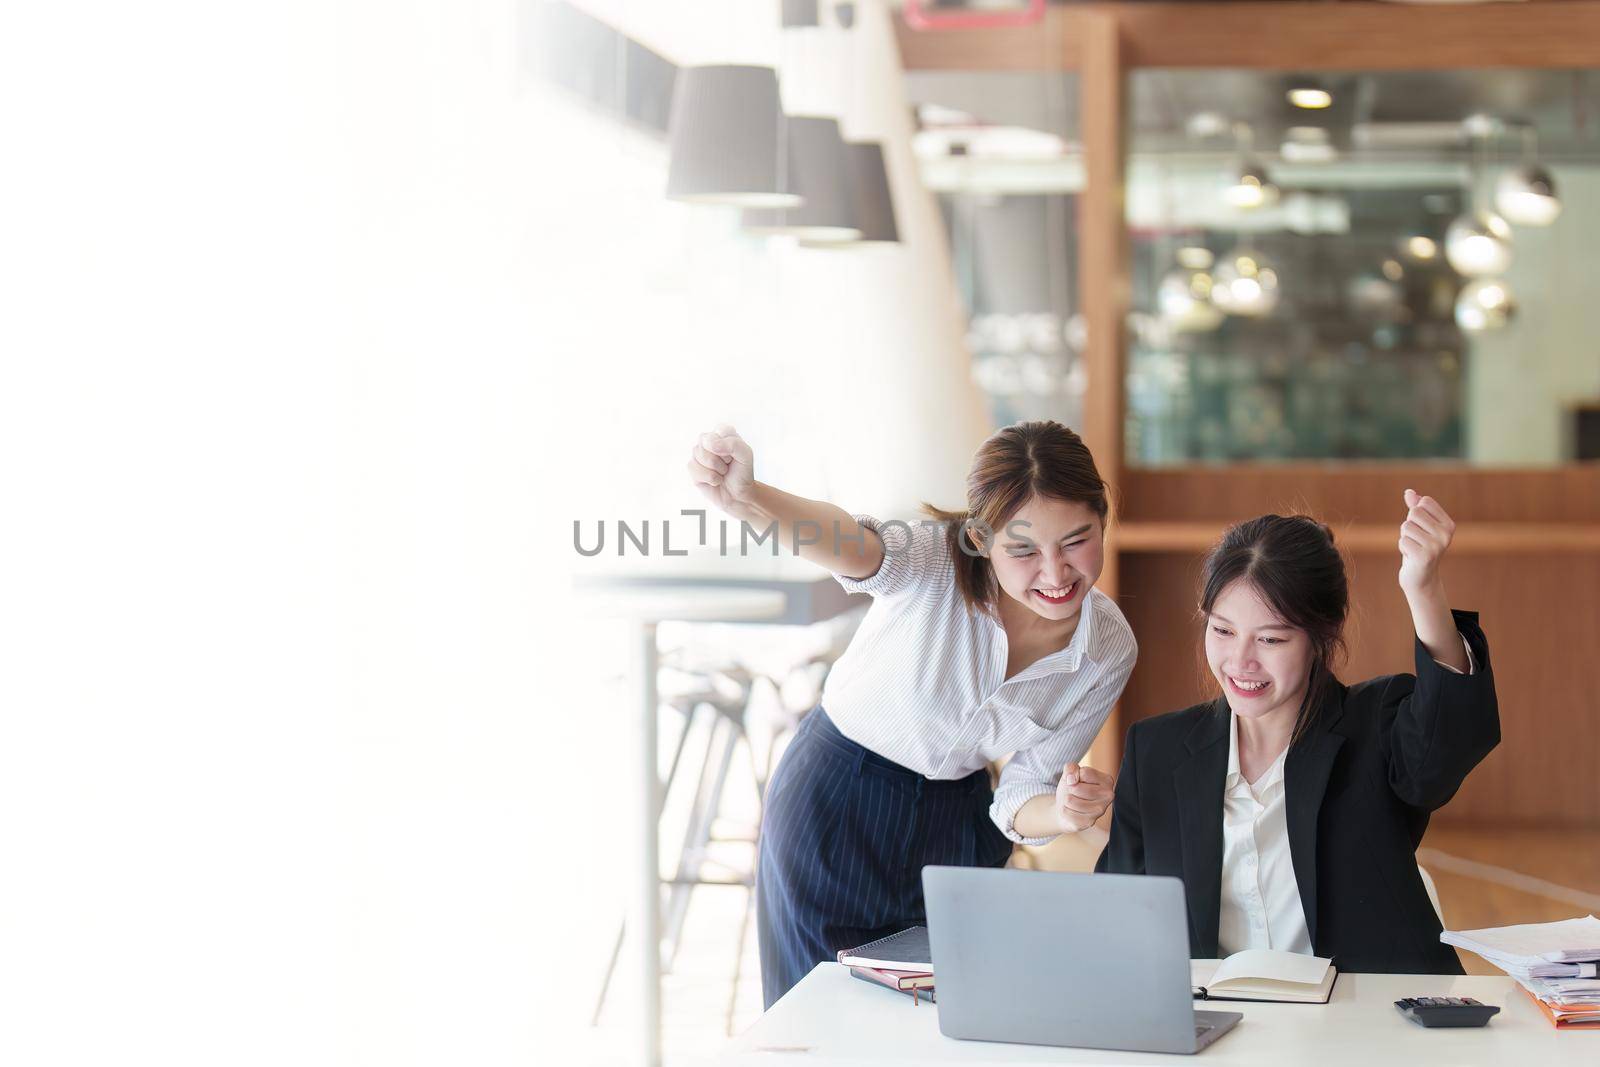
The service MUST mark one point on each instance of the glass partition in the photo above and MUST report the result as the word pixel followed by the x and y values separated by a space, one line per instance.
pixel 999 150
pixel 1374 266
pixel 1367 266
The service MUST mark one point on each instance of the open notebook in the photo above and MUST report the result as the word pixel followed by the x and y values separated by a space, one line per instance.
pixel 1264 974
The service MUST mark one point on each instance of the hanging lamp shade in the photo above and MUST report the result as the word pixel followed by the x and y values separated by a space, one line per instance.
pixel 1485 304
pixel 874 201
pixel 1527 197
pixel 1245 285
pixel 823 178
pixel 1184 299
pixel 798 14
pixel 726 138
pixel 1478 245
pixel 1251 188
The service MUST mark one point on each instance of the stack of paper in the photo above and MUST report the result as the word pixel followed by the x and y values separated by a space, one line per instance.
pixel 1557 963
pixel 1565 990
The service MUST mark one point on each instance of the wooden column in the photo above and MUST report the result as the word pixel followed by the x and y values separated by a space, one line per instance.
pixel 1103 278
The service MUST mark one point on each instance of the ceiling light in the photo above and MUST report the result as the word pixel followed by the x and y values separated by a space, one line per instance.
pixel 870 183
pixel 1195 257
pixel 1526 196
pixel 1485 304
pixel 798 14
pixel 1203 125
pixel 1244 285
pixel 1184 298
pixel 1309 96
pixel 1251 188
pixel 724 131
pixel 1478 245
pixel 823 176
pixel 1421 248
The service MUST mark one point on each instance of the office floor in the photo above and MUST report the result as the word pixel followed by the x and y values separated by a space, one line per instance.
pixel 1484 877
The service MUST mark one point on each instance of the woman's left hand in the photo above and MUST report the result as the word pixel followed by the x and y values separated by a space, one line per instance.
pixel 1424 536
pixel 1082 796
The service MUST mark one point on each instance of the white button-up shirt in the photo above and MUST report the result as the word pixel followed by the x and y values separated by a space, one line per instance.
pixel 923 682
pixel 1260 905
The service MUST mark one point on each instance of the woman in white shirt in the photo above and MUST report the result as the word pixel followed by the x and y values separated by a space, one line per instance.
pixel 1292 805
pixel 985 638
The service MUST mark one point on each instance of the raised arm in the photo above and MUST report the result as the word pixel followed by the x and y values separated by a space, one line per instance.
pixel 1424 537
pixel 1446 720
pixel 722 467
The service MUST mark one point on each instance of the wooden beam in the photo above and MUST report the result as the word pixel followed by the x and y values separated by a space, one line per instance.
pixel 1103 287
pixel 1282 35
pixel 1361 492
pixel 1103 243
pixel 1484 538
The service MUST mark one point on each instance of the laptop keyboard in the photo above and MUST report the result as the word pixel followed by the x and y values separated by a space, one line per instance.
pixel 1202 1030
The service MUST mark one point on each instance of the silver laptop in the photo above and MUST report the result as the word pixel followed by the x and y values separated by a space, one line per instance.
pixel 1077 960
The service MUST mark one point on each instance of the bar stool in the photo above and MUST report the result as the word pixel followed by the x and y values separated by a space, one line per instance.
pixel 692 694
pixel 642 611
pixel 726 694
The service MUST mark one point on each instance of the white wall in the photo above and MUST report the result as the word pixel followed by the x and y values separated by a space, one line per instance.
pixel 278 762
pixel 1521 379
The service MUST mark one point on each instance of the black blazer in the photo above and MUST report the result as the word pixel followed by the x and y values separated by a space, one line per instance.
pixel 1359 786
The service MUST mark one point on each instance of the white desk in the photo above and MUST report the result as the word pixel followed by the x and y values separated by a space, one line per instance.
pixel 843 1020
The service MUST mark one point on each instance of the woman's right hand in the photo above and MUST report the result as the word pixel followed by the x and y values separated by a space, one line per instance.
pixel 1082 795
pixel 722 467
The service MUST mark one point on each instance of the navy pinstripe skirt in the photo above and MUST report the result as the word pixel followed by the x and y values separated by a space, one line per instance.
pixel 843 842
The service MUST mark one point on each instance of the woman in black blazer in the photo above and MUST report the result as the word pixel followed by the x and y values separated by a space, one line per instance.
pixel 1292 805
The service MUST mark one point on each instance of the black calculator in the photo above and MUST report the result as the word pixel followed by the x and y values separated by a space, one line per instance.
pixel 1446 1011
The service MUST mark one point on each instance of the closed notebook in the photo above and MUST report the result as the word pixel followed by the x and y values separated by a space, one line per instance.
pixel 1264 974
pixel 897 979
pixel 917 986
pixel 906 951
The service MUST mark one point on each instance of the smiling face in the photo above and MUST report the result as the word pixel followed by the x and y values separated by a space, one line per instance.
pixel 1048 556
pixel 1262 663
